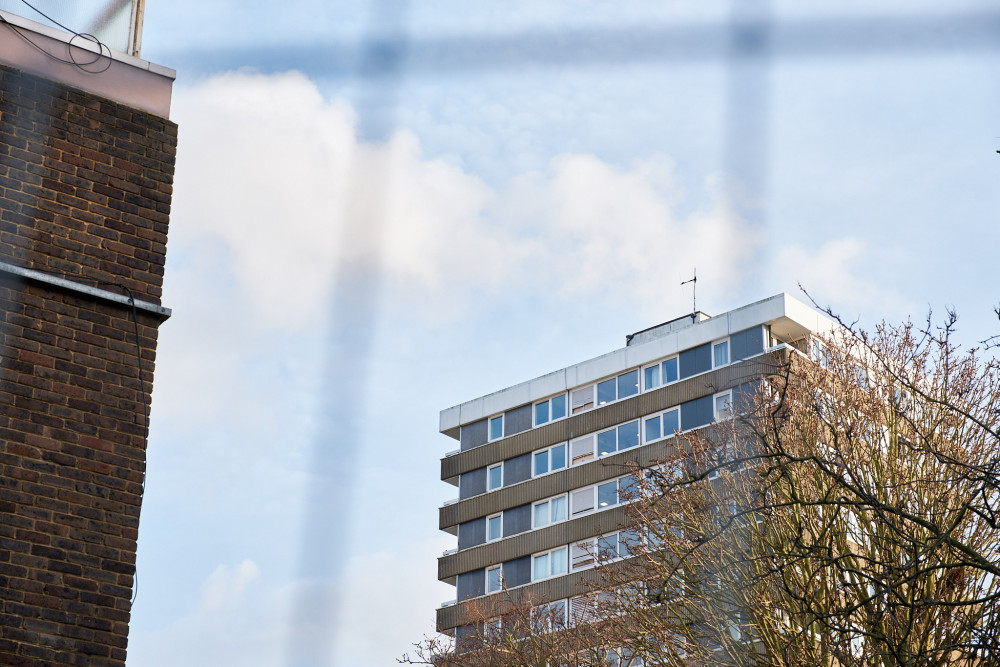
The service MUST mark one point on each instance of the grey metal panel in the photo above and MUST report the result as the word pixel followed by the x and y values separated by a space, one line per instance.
pixel 697 413
pixel 517 420
pixel 517 572
pixel 746 343
pixel 696 360
pixel 448 516
pixel 517 469
pixel 471 584
pixel 473 435
pixel 472 533
pixel 578 583
pixel 532 542
pixel 516 520
pixel 472 483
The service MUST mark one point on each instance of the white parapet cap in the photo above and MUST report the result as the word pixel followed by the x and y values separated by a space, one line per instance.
pixel 789 318
pixel 50 53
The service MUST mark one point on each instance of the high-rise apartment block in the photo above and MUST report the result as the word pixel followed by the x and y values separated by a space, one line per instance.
pixel 86 175
pixel 542 465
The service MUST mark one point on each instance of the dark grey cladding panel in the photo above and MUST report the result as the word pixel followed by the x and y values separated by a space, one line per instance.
pixel 472 483
pixel 609 415
pixel 517 572
pixel 473 435
pixel 696 360
pixel 517 420
pixel 697 413
pixel 516 520
pixel 743 395
pixel 471 585
pixel 472 533
pixel 746 343
pixel 467 637
pixel 517 469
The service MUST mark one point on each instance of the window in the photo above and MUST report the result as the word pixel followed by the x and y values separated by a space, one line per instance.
pixel 549 564
pixel 582 449
pixel 549 617
pixel 548 512
pixel 493 629
pixel 603 495
pixel 582 555
pixel 663 425
pixel 494 579
pixel 618 439
pixel 494 527
pixel 623 386
pixel 723 406
pixel 496 427
pixel 660 374
pixel 550 410
pixel 494 477
pixel 582 399
pixel 549 459
pixel 720 354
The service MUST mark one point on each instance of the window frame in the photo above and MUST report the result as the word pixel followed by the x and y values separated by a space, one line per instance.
pixel 489 520
pixel 549 553
pixel 499 570
pixel 659 418
pixel 660 374
pixel 585 407
pixel 719 343
pixel 489 428
pixel 548 452
pixel 489 470
pixel 716 413
pixel 548 401
pixel 548 501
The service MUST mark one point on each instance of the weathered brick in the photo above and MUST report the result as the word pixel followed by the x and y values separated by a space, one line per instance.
pixel 85 189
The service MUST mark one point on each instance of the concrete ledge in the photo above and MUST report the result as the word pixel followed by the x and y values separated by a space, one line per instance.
pixel 40 50
pixel 40 277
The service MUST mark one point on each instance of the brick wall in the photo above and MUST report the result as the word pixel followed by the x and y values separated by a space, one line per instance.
pixel 85 184
pixel 85 187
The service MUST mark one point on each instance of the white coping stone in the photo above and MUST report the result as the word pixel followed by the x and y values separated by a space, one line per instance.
pixel 129 80
pixel 591 370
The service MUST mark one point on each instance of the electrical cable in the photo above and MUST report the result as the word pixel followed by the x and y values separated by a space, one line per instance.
pixel 82 65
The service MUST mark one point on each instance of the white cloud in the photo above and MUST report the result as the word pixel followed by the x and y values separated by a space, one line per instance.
pixel 225 586
pixel 386 602
pixel 831 275
pixel 277 177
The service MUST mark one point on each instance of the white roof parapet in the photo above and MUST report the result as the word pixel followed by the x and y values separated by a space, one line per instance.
pixel 789 318
pixel 50 53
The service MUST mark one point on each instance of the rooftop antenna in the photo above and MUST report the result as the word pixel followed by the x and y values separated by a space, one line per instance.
pixel 694 293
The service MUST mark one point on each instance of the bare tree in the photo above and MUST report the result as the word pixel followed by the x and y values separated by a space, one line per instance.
pixel 847 515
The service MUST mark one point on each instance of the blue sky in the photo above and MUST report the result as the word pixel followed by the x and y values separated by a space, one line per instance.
pixel 349 255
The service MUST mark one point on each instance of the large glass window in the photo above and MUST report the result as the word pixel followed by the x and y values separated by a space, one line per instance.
pixel 550 410
pixel 659 374
pixel 617 439
pixel 496 427
pixel 623 386
pixel 547 460
pixel 663 425
pixel 549 511
pixel 549 564
pixel 494 477
pixel 582 501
